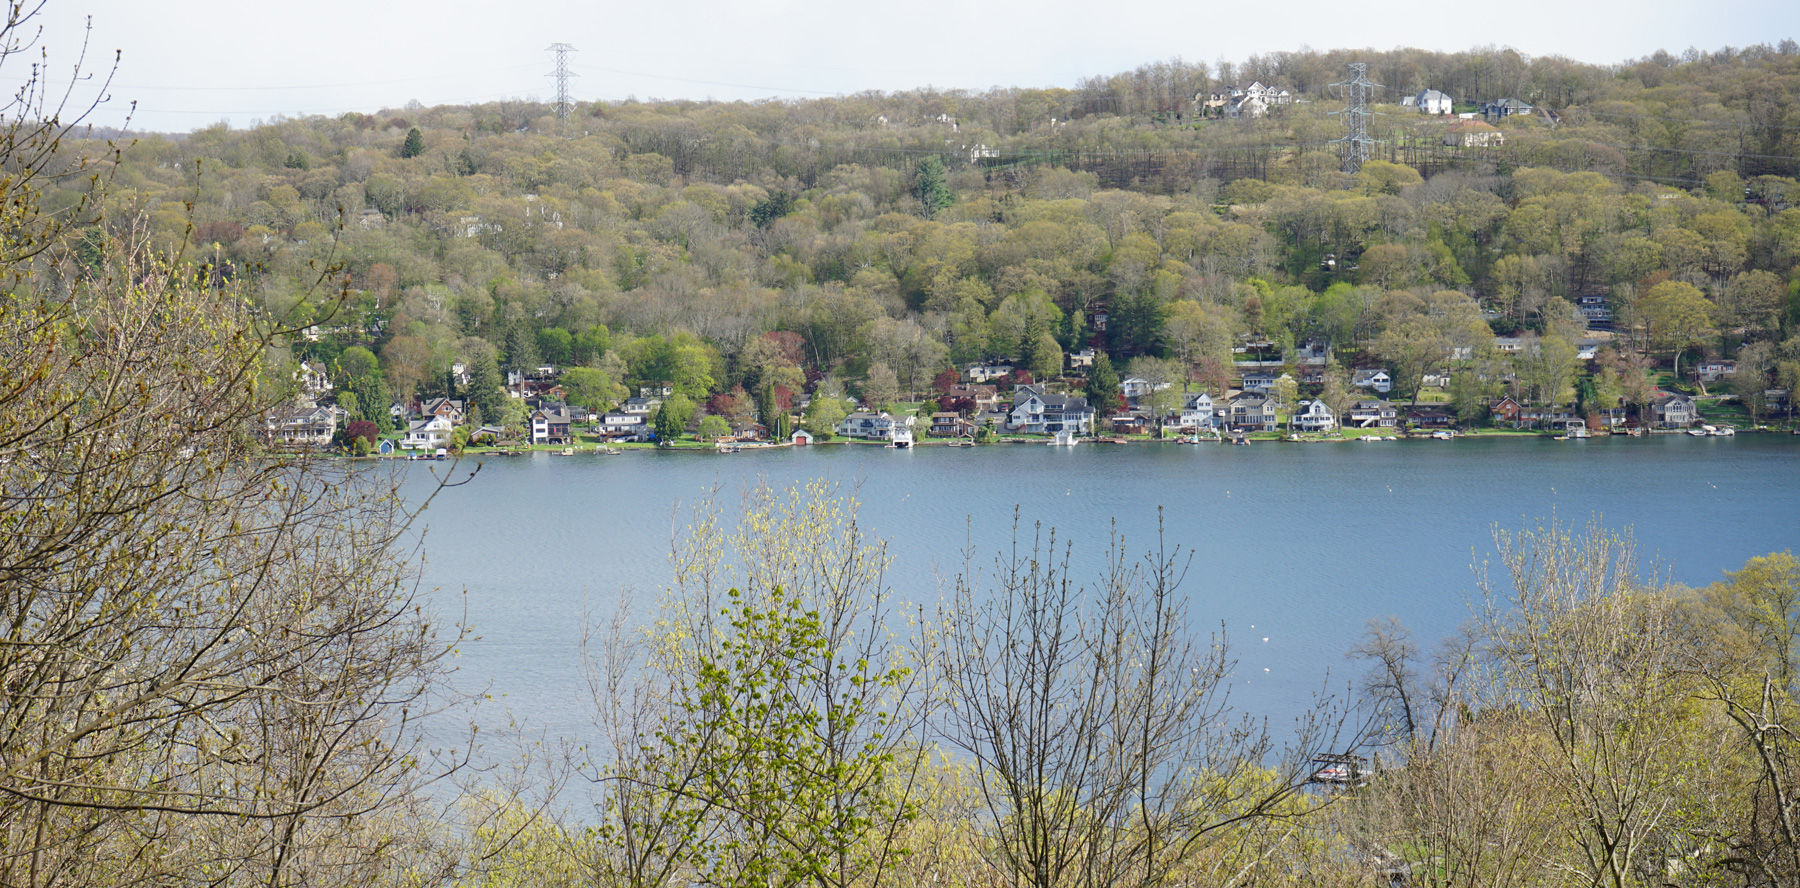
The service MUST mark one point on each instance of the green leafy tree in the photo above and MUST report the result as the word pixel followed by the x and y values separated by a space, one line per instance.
pixel 882 388
pixel 779 750
pixel 591 388
pixel 672 418
pixel 824 414
pixel 714 426
pixel 414 144
pixel 1677 316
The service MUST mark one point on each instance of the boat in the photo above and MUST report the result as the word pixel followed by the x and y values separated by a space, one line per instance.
pixel 1698 433
pixel 1723 432
pixel 1372 438
pixel 1443 434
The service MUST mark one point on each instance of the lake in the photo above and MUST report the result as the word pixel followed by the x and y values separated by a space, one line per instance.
pixel 1295 547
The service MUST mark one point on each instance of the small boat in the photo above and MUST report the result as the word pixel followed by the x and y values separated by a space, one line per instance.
pixel 1443 434
pixel 568 451
pixel 1723 432
pixel 1372 438
pixel 1698 433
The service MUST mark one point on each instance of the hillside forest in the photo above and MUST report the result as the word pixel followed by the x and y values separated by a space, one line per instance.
pixel 760 246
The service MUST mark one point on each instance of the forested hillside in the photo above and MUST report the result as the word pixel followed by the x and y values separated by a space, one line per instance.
pixel 657 241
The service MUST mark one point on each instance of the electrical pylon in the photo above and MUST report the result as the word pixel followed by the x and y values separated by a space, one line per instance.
pixel 1355 143
pixel 564 107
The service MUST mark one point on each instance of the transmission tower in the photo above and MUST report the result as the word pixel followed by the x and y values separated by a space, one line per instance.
pixel 1355 143
pixel 564 107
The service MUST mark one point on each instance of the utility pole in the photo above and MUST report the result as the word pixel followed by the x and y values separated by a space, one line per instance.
pixel 1355 143
pixel 564 107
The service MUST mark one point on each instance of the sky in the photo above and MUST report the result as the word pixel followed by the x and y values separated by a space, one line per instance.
pixel 194 63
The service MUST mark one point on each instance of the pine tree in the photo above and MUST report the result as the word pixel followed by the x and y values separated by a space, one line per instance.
pixel 415 143
pixel 1102 385
pixel 932 188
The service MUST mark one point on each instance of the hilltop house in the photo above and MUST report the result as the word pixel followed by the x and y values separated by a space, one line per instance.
pixel 1429 101
pixel 1473 134
pixel 1234 101
pixel 1504 108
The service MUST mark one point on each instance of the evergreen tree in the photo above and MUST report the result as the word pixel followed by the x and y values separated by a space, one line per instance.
pixel 522 349
pixel 1102 385
pixel 487 388
pixel 414 145
pixel 932 187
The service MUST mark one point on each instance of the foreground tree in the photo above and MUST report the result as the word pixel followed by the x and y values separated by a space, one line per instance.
pixel 770 741
pixel 1105 751
pixel 212 657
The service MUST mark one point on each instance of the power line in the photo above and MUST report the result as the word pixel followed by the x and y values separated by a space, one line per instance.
pixel 1702 120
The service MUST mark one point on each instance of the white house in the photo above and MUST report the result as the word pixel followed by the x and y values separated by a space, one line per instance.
pixel 1376 379
pixel 301 425
pixel 979 373
pixel 871 426
pixel 1197 413
pixel 1314 416
pixel 1137 387
pixel 626 425
pixel 1261 380
pixel 1038 412
pixel 1431 101
pixel 429 433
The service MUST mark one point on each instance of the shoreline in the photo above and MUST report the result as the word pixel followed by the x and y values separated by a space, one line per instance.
pixel 1261 438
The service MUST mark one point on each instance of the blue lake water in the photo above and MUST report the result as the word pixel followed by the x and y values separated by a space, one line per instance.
pixel 1297 544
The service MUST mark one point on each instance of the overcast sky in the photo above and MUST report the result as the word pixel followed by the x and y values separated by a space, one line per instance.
pixel 193 63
